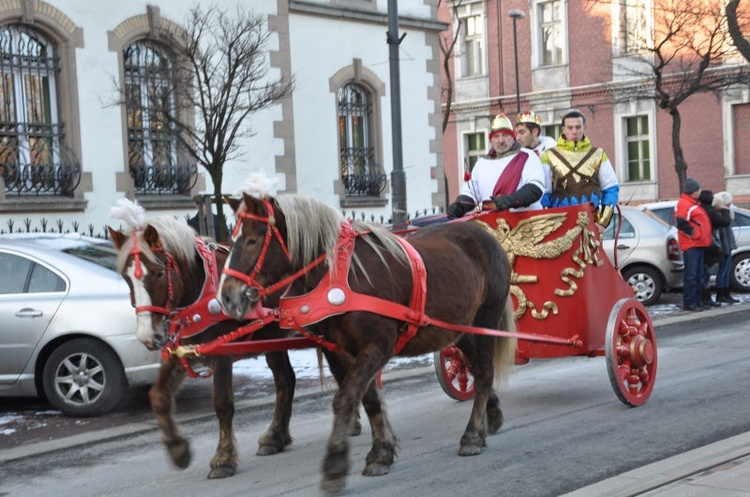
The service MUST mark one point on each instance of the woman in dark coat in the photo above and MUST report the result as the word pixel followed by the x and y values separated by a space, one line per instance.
pixel 713 257
pixel 722 203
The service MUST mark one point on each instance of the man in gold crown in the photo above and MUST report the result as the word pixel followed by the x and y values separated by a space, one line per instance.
pixel 529 133
pixel 508 177
pixel 580 172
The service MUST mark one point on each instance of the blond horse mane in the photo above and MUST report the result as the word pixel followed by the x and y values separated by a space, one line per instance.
pixel 311 224
pixel 178 239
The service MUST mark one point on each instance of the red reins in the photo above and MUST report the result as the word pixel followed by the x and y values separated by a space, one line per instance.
pixel 138 274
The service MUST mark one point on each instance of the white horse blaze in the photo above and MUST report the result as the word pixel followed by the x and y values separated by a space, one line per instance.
pixel 145 332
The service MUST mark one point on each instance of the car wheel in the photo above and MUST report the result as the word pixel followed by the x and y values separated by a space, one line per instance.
pixel 646 283
pixel 83 377
pixel 740 275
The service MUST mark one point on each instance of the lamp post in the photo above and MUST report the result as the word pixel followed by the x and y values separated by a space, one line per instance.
pixel 516 14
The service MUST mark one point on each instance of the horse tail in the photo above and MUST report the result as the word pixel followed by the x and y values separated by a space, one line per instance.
pixel 505 347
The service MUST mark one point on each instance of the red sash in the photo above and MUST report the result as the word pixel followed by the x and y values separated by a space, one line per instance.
pixel 508 181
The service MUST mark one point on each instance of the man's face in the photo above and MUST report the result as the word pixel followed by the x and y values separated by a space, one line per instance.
pixel 502 142
pixel 527 135
pixel 573 128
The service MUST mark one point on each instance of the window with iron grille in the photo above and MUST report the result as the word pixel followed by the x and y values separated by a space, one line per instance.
pixel 359 172
pixel 156 163
pixel 33 157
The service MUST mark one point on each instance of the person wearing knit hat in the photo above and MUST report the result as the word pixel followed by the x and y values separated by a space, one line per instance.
pixel 694 235
pixel 691 186
pixel 508 177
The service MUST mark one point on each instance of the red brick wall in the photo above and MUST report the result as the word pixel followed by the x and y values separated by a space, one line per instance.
pixel 741 122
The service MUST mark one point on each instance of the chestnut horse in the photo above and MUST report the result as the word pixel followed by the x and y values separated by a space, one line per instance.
pixel 359 287
pixel 165 270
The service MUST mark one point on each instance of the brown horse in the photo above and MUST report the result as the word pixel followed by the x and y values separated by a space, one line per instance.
pixel 166 272
pixel 359 288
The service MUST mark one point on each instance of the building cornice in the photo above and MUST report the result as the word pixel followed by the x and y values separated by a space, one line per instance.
pixel 360 15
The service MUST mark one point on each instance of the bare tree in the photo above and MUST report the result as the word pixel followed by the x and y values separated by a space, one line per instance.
pixel 222 79
pixel 689 54
pixel 734 21
pixel 448 40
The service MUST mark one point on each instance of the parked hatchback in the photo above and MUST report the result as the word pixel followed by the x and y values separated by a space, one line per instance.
pixel 647 253
pixel 740 272
pixel 68 329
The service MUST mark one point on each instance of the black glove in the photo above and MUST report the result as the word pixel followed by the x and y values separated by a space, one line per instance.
pixel 526 195
pixel 504 202
pixel 461 206
pixel 684 226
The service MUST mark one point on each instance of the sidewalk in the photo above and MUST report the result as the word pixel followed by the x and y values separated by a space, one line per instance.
pixel 720 469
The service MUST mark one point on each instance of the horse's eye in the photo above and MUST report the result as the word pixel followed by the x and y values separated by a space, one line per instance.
pixel 161 274
pixel 251 241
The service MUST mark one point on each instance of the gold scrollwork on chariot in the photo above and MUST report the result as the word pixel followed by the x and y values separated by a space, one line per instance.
pixel 531 237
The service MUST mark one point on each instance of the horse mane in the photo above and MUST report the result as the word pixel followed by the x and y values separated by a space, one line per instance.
pixel 178 239
pixel 313 226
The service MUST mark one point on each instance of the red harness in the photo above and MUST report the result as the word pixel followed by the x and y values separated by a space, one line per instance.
pixel 333 296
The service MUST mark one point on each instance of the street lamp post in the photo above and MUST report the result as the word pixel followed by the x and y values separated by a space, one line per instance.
pixel 516 14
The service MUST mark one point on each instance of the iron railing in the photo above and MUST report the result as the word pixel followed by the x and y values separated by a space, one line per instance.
pixel 360 174
pixel 35 161
pixel 174 177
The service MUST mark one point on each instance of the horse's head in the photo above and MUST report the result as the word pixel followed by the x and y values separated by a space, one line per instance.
pixel 155 280
pixel 259 256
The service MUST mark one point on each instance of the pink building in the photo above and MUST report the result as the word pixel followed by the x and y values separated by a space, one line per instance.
pixel 587 54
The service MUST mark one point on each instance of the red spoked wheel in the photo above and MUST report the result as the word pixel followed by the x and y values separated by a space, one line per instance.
pixel 631 352
pixel 454 373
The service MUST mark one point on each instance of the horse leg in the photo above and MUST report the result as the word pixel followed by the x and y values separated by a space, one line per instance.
pixel 338 370
pixel 224 462
pixel 480 355
pixel 384 440
pixel 358 380
pixel 162 397
pixel 277 437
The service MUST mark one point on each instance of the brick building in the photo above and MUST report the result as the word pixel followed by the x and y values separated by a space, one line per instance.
pixel 585 54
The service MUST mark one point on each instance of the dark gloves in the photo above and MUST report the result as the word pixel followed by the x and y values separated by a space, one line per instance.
pixel 461 206
pixel 526 195
pixel 684 226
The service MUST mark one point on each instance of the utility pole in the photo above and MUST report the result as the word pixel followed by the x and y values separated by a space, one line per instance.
pixel 398 177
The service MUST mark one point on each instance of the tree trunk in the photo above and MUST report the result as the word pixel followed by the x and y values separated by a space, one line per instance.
pixel 680 165
pixel 742 44
pixel 217 174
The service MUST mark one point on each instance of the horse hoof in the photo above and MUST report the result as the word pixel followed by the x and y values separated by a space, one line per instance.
pixel 333 486
pixel 268 450
pixel 222 472
pixel 180 453
pixel 376 469
pixel 469 450
pixel 356 429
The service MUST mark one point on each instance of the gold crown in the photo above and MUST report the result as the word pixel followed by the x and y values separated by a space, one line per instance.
pixel 529 117
pixel 501 122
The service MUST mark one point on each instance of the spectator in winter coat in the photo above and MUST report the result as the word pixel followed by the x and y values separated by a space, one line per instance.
pixel 693 234
pixel 712 255
pixel 723 204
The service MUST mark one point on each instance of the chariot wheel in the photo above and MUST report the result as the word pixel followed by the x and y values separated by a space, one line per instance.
pixel 631 352
pixel 454 373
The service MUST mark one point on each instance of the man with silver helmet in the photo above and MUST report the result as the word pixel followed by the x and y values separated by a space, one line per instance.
pixel 509 177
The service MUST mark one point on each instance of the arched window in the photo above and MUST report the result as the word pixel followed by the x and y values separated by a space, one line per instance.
pixel 155 161
pixel 32 158
pixel 359 172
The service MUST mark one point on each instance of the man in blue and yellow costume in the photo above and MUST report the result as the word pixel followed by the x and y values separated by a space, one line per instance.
pixel 581 172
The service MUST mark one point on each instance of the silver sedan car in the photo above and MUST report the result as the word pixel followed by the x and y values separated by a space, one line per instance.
pixel 67 329
pixel 647 253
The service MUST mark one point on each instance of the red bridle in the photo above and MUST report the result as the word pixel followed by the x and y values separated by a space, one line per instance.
pixel 138 273
pixel 255 291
